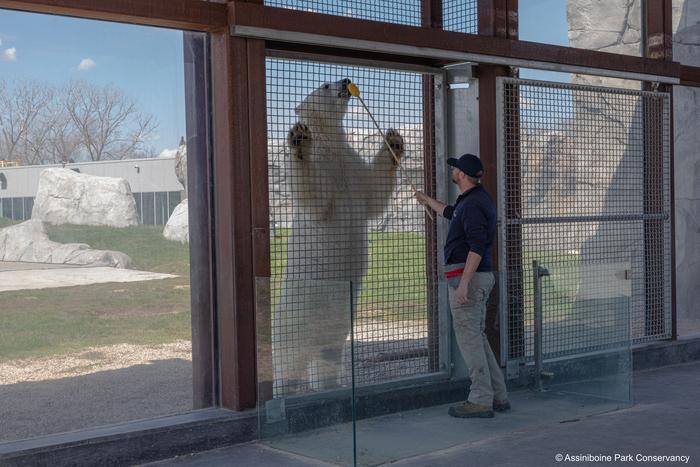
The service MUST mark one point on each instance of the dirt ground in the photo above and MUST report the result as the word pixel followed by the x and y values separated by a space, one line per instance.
pixel 95 387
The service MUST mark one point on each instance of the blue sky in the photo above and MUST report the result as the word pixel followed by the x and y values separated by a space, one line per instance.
pixel 148 63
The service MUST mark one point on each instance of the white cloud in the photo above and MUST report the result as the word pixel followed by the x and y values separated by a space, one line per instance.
pixel 86 64
pixel 9 54
pixel 168 153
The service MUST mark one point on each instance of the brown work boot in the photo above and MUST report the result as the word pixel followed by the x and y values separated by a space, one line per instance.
pixel 501 406
pixel 470 410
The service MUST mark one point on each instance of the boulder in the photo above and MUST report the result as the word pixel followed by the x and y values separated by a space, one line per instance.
pixel 68 197
pixel 181 164
pixel 177 228
pixel 29 242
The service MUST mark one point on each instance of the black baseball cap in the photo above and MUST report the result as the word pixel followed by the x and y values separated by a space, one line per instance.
pixel 469 164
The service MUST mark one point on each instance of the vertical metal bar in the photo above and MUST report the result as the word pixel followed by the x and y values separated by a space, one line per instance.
pixel 657 40
pixel 197 107
pixel 430 91
pixel 503 276
pixel 234 235
pixel 442 192
pixel 431 17
pixel 537 291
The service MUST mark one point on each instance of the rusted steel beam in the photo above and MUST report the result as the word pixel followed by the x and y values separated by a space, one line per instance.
pixel 194 15
pixel 431 14
pixel 234 238
pixel 497 18
pixel 285 20
pixel 658 30
pixel 431 17
pixel 690 75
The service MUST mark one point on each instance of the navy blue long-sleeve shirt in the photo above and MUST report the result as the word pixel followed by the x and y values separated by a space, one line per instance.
pixel 472 228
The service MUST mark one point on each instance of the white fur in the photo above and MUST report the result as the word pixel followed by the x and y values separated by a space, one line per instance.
pixel 335 194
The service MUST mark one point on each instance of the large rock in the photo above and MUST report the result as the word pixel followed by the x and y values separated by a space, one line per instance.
pixel 29 242
pixel 177 228
pixel 181 164
pixel 68 197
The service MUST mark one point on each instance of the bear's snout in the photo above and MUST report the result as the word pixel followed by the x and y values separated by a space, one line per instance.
pixel 344 88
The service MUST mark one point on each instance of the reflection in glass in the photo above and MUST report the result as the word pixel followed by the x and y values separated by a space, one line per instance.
pixel 94 277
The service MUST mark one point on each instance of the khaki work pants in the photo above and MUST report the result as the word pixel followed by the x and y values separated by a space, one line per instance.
pixel 468 320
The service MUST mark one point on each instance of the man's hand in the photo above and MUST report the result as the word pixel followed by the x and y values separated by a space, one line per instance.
pixel 422 198
pixel 463 292
pixel 425 200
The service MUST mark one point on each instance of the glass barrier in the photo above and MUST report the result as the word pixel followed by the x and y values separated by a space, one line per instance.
pixel 568 357
pixel 305 377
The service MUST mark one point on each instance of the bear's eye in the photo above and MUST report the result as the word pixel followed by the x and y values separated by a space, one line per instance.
pixel 326 86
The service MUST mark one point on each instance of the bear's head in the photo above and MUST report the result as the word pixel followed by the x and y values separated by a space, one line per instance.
pixel 328 102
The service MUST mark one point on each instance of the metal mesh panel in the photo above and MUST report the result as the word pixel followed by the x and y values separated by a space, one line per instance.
pixel 586 192
pixel 390 11
pixel 341 212
pixel 460 16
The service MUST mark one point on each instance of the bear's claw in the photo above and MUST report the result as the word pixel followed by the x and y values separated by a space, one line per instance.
pixel 298 136
pixel 395 140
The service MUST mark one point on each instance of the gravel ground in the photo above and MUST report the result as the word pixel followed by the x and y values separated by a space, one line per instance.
pixel 95 387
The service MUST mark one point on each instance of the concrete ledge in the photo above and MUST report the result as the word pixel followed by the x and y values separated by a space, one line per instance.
pixel 135 442
pixel 656 354
pixel 161 438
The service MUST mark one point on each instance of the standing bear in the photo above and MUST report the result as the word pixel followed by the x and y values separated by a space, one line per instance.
pixel 335 193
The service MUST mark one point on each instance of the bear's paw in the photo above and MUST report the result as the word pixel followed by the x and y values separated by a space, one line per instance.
pixel 396 143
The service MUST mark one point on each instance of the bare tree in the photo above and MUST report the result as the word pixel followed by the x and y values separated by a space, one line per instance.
pixel 108 122
pixel 21 108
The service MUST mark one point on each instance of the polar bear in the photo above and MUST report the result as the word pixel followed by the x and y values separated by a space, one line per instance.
pixel 336 192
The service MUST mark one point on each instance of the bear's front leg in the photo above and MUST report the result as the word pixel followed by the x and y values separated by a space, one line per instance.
pixel 395 140
pixel 299 140
pixel 382 173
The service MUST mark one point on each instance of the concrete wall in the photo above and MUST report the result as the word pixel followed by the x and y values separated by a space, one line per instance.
pixel 686 108
pixel 143 175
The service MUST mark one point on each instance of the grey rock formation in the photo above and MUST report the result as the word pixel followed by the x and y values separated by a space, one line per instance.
pixel 181 164
pixel 68 197
pixel 29 242
pixel 177 228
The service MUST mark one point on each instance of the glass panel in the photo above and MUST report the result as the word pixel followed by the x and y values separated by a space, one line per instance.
pixel 575 361
pixel 305 384
pixel 95 316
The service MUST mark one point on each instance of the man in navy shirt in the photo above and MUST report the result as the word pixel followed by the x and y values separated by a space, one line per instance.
pixel 470 278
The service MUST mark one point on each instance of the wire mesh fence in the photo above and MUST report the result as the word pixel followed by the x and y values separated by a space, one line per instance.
pixel 460 16
pixel 585 191
pixel 340 211
pixel 389 11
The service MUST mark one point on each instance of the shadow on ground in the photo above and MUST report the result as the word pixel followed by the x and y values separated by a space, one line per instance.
pixel 33 409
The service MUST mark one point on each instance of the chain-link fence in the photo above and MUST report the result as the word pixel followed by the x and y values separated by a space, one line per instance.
pixel 585 185
pixel 341 213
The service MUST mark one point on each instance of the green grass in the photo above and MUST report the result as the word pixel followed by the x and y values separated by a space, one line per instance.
pixel 394 287
pixel 54 321
pixel 44 322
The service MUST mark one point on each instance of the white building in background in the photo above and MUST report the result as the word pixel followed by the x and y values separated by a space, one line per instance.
pixel 156 189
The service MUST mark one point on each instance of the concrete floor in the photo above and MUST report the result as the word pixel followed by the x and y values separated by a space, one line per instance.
pixel 28 276
pixel 665 420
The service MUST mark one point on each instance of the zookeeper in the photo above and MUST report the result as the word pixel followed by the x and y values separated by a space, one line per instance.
pixel 470 278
